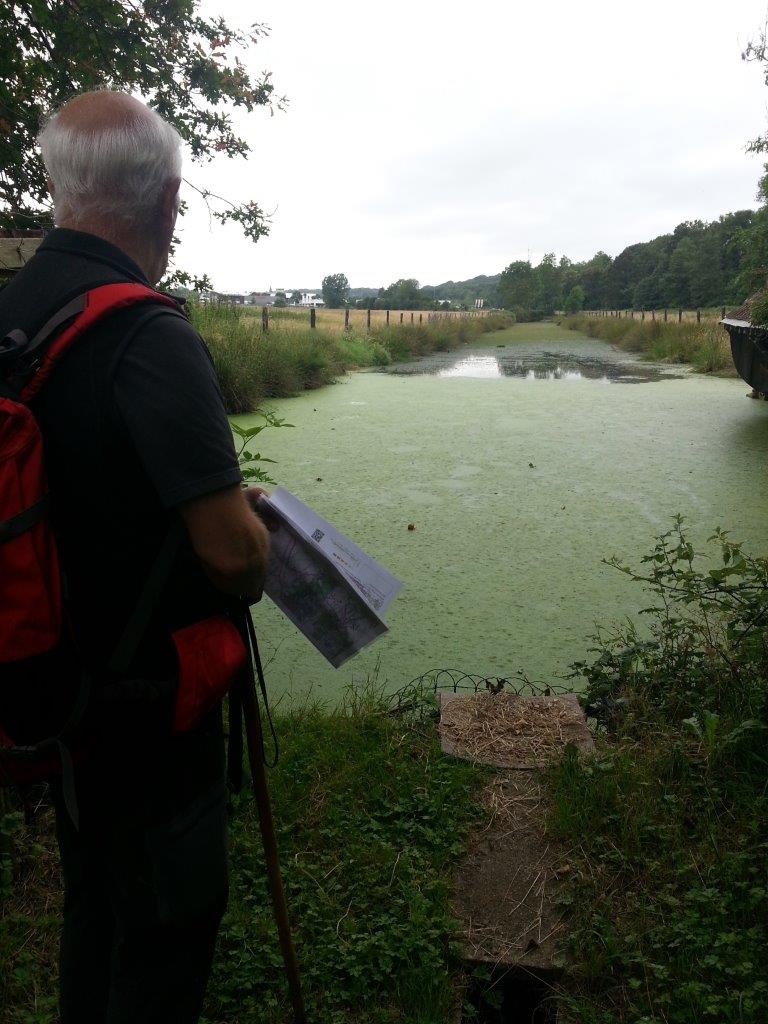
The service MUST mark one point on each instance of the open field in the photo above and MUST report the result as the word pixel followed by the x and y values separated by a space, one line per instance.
pixel 332 320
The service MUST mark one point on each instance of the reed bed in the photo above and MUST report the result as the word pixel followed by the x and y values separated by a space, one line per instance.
pixel 291 357
pixel 704 345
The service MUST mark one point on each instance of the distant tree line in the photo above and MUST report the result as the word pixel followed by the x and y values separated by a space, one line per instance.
pixel 403 294
pixel 698 264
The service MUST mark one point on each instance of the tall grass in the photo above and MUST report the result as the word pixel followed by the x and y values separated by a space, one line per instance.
pixel 704 345
pixel 253 366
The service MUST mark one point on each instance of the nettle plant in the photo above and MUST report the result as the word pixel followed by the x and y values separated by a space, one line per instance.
pixel 252 462
pixel 702 660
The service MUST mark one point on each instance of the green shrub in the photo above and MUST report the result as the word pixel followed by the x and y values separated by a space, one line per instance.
pixel 668 823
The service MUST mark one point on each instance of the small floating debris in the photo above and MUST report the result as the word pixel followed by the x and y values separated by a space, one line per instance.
pixel 411 526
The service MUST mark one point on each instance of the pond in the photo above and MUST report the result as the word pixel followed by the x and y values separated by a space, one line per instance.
pixel 520 468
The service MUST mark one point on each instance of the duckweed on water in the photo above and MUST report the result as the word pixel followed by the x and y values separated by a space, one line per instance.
pixel 502 571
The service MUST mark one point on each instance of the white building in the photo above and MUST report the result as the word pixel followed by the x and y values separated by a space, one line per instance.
pixel 311 299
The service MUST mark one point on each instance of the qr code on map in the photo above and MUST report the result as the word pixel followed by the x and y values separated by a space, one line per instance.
pixel 318 535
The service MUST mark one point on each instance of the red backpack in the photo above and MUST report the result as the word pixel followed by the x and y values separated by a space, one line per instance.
pixel 32 609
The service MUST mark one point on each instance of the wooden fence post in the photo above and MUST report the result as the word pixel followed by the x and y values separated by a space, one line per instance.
pixel 642 314
pixel 665 316
pixel 401 317
pixel 387 318
pixel 411 317
pixel 368 319
pixel 723 316
pixel 346 318
pixel 264 319
pixel 653 314
pixel 679 316
pixel 420 317
pixel 312 317
pixel 698 316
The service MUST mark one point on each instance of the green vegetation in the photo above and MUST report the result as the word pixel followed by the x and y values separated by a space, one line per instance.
pixel 704 345
pixel 371 821
pixel 699 264
pixel 185 64
pixel 668 824
pixel 335 290
pixel 289 359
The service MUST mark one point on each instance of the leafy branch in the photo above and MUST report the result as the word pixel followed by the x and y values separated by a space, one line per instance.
pixel 251 462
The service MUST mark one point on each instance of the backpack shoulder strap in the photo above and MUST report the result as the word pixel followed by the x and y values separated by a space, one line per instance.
pixel 150 314
pixel 83 312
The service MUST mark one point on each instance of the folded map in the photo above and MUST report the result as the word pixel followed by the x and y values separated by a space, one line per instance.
pixel 323 582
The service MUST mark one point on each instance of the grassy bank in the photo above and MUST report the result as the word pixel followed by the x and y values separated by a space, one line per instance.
pixel 252 366
pixel 667 825
pixel 704 345
pixel 371 821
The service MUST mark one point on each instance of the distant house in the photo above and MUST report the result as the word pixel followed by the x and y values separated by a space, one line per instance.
pixel 311 299
pixel 261 299
pixel 229 298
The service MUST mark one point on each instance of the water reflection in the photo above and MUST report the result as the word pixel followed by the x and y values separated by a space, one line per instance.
pixel 588 361
pixel 473 366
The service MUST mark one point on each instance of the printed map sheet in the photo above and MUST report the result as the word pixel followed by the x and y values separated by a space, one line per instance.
pixel 327 586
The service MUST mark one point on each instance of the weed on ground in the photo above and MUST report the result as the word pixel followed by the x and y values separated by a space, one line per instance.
pixel 372 819
pixel 668 824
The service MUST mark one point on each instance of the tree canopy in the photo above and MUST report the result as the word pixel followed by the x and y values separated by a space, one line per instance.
pixel 698 264
pixel 335 290
pixel 183 64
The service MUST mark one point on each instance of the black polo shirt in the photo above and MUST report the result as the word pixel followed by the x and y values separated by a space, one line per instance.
pixel 127 440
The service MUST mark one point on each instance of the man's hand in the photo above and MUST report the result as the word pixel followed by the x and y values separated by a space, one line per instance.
pixel 253 494
pixel 231 542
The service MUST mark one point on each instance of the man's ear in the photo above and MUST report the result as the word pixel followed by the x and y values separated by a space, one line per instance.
pixel 169 201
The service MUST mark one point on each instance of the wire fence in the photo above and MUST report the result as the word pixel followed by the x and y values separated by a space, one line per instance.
pixel 665 315
pixel 418 698
pixel 350 319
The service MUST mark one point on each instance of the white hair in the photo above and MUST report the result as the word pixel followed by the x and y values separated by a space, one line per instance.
pixel 118 171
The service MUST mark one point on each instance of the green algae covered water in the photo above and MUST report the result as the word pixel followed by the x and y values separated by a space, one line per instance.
pixel 520 465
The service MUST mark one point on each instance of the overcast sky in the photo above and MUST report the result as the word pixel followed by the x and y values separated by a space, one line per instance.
pixel 444 140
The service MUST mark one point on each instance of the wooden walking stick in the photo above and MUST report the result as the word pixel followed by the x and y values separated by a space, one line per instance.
pixel 254 738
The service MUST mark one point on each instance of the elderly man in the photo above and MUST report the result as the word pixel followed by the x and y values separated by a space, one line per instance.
pixel 136 439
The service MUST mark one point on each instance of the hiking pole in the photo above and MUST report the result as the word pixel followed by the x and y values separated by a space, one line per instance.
pixel 254 738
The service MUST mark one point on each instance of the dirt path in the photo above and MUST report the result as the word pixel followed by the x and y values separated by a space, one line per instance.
pixel 506 889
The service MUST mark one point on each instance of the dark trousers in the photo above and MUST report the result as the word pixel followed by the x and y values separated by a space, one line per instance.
pixel 145 882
